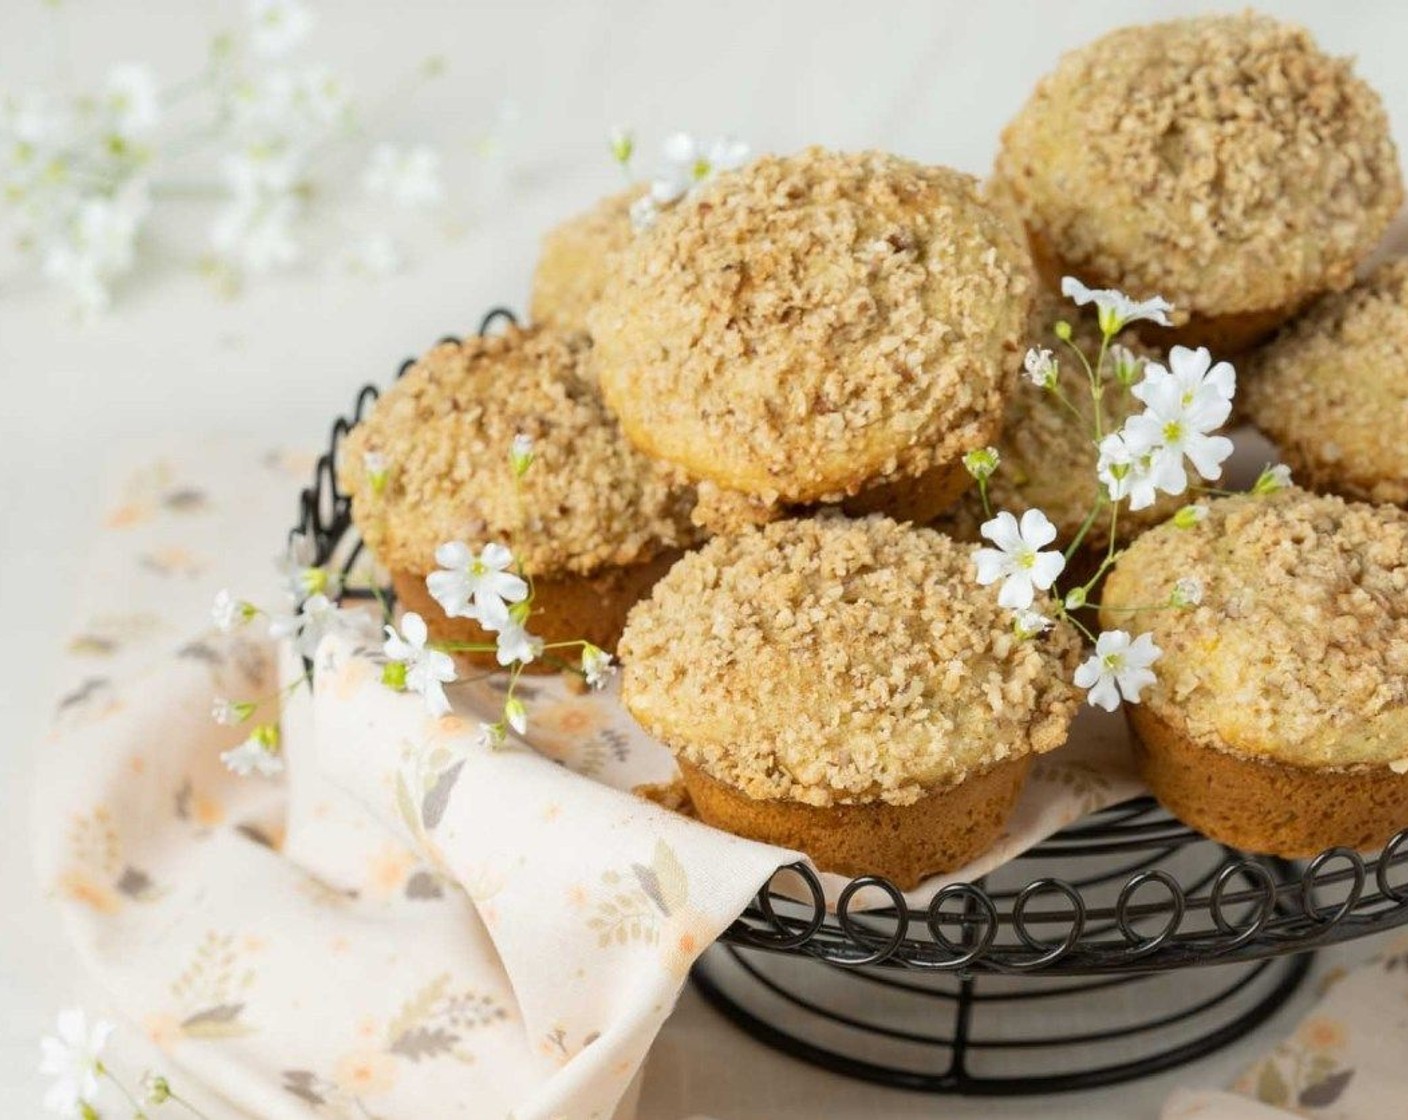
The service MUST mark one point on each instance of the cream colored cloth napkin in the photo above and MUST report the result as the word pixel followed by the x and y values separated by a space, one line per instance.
pixel 405 925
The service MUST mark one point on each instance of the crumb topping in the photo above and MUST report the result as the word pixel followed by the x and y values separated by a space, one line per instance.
pixel 1299 651
pixel 444 430
pixel 810 323
pixel 829 660
pixel 1223 162
pixel 1048 456
pixel 576 258
pixel 1332 390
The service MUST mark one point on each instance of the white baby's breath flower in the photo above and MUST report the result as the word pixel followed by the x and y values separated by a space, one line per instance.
pixel 227 612
pixel 1177 423
pixel 982 462
pixel 1028 624
pixel 323 95
pixel 478 587
pixel 1272 479
pixel 597 666
pixel 690 162
pixel 1200 381
pixel 1114 309
pixel 373 256
pixel 1129 473
pixel 1187 592
pixel 254 233
pixel 129 100
pixel 515 644
pixel 1125 364
pixel 1075 599
pixel 1018 559
pixel 277 26
pixel 317 617
pixel 1120 667
pixel 426 671
pixel 515 714
pixel 156 1090
pixel 378 470
pixel 72 1056
pixel 644 211
pixel 623 144
pixel 490 735
pixel 229 713
pixel 408 176
pixel 1040 367
pixel 260 754
pixel 96 243
pixel 1189 516
pixel 520 454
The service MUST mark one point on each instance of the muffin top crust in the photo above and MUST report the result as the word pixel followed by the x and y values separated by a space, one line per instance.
pixel 1223 162
pixel 1299 649
pixel 576 257
pixel 831 661
pixel 443 434
pixel 1048 457
pixel 813 322
pixel 1332 389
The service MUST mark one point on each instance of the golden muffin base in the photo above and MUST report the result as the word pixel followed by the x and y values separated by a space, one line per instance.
pixel 565 609
pixel 1265 806
pixel 942 831
pixel 919 500
pixel 1225 335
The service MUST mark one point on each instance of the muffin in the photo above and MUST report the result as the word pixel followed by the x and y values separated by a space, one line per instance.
pixel 1048 458
pixel 817 328
pixel 575 259
pixel 1332 390
pixel 593 521
pixel 1223 162
pixel 847 689
pixel 1279 719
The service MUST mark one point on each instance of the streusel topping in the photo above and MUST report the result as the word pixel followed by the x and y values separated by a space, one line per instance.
pixel 1299 650
pixel 810 323
pixel 1223 162
pixel 1332 390
pixel 443 433
pixel 829 660
pixel 576 258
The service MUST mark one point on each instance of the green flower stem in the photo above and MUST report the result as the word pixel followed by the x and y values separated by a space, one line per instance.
pixel 1060 395
pixel 103 1071
pixel 1084 528
pixel 1073 620
pixel 464 647
pixel 983 494
pixel 188 1106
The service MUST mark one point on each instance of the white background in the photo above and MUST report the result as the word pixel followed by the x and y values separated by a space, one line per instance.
pixel 930 80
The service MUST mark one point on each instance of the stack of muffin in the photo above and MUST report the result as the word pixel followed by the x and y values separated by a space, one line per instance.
pixel 750 419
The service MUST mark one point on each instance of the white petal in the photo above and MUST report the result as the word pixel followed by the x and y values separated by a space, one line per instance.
pixel 1207 454
pixel 1047 568
pixel 992 565
pixel 496 556
pixel 454 554
pixel 1016 593
pixel 414 628
pixel 1037 530
pixel 1087 672
pixel 1104 695
pixel 1002 530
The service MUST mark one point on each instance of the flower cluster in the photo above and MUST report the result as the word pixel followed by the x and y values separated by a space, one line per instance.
pixel 82 178
pixel 73 1057
pixel 686 164
pixel 1184 404
pixel 489 587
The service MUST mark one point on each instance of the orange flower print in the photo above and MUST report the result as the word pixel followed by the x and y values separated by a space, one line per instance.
pixel 79 886
pixel 163 1030
pixel 365 1073
pixel 1323 1034
pixel 388 871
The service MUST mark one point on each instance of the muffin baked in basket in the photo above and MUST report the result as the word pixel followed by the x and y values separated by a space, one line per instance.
pixel 845 688
pixel 1223 162
pixel 817 328
pixel 1279 719
pixel 594 521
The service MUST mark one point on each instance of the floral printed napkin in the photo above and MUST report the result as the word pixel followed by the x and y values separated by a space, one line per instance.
pixel 405 924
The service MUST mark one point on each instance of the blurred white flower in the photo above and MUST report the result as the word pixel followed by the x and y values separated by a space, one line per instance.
pixel 409 177
pixel 97 244
pixel 374 256
pixel 1114 309
pixel 689 162
pixel 259 754
pixel 254 233
pixel 516 644
pixel 1040 368
pixel 1119 668
pixel 1018 559
pixel 478 587
pixel 427 671
pixel 73 1057
pixel 597 666
pixel 129 99
pixel 1128 472
pixel 277 26
pixel 1272 479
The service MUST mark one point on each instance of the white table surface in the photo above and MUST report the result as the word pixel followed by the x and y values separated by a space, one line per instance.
pixel 931 80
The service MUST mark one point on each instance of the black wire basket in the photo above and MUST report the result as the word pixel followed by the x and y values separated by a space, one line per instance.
pixel 1123 945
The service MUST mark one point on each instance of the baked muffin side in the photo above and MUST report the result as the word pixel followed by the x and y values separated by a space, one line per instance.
pixel 576 258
